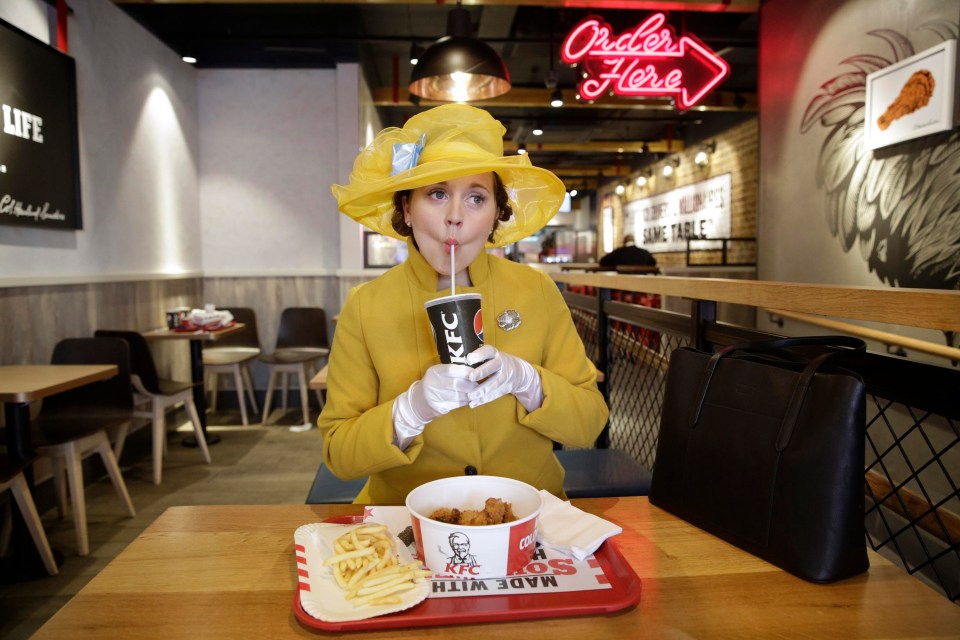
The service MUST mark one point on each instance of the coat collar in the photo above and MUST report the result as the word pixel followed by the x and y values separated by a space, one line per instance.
pixel 420 271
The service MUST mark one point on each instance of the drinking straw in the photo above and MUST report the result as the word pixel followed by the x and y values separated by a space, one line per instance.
pixel 453 276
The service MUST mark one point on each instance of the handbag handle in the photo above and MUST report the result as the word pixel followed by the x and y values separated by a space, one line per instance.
pixel 803 383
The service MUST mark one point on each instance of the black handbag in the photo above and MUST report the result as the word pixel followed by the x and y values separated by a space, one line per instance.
pixel 762 444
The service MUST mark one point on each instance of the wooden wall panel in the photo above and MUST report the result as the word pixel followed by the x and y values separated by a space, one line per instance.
pixel 36 318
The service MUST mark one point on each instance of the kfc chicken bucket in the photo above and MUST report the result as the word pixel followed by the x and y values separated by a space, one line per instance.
pixel 475 550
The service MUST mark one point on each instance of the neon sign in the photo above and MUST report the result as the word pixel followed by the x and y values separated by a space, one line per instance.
pixel 648 60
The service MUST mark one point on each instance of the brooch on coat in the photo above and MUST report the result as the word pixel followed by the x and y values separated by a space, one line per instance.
pixel 508 320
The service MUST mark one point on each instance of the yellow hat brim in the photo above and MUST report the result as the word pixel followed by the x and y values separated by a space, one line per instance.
pixel 535 194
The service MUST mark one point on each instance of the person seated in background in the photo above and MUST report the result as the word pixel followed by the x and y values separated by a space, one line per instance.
pixel 629 254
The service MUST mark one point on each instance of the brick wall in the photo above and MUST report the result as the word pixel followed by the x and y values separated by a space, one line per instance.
pixel 736 153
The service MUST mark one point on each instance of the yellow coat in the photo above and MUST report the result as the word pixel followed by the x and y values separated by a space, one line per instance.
pixel 383 343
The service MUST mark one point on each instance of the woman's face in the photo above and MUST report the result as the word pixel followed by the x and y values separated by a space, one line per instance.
pixel 458 212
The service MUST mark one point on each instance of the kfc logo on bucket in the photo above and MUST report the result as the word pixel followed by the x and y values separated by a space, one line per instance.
pixel 479 551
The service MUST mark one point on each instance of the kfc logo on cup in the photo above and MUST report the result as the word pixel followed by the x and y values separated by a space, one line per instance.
pixel 454 333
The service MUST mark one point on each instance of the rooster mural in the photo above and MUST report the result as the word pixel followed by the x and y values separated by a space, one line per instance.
pixel 900 205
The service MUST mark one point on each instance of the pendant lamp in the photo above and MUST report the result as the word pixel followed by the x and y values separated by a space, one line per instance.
pixel 459 67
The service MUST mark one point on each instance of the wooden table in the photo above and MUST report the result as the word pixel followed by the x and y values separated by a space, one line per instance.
pixel 196 338
pixel 19 386
pixel 230 572
pixel 22 384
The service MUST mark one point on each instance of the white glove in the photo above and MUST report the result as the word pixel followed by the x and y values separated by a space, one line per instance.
pixel 507 374
pixel 442 389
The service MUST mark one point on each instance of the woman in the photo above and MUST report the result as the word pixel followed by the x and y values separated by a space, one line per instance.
pixel 392 412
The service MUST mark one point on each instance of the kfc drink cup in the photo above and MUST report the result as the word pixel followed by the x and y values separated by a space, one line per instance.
pixel 457 324
pixel 490 551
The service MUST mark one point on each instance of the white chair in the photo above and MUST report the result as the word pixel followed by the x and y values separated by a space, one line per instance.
pixel 157 395
pixel 301 343
pixel 233 354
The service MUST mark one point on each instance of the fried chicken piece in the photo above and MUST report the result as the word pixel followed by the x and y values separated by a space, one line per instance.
pixel 495 511
pixel 915 94
pixel 449 516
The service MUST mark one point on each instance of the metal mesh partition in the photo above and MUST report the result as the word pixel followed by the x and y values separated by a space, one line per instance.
pixel 912 496
pixel 636 379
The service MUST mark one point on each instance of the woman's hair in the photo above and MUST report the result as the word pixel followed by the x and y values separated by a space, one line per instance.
pixel 504 210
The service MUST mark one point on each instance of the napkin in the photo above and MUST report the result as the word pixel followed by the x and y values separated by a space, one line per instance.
pixel 570 530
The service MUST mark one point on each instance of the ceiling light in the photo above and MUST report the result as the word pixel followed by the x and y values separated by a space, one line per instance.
pixel 415 52
pixel 573 193
pixel 642 181
pixel 522 148
pixel 620 189
pixel 556 98
pixel 667 170
pixel 459 67
pixel 537 131
pixel 187 54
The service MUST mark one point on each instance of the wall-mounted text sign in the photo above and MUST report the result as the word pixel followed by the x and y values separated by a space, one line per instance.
pixel 664 222
pixel 648 61
pixel 39 168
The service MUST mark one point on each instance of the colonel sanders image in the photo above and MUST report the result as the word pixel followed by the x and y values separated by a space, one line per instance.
pixel 460 545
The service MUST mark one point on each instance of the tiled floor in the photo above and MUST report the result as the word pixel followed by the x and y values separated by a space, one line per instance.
pixel 251 465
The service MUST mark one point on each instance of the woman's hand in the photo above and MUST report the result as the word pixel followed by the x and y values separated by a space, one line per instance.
pixel 501 374
pixel 443 388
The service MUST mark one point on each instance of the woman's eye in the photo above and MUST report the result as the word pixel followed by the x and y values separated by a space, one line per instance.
pixel 477 200
pixel 438 194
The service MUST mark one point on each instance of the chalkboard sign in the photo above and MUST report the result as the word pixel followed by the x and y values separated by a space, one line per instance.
pixel 39 162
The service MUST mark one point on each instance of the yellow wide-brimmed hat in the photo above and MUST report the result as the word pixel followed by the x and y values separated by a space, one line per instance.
pixel 450 141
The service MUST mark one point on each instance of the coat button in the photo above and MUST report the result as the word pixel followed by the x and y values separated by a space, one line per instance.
pixel 470 470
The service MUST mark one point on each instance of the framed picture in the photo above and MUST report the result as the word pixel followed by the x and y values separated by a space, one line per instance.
pixel 382 252
pixel 39 159
pixel 912 98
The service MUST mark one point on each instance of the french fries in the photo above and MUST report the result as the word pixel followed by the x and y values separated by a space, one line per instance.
pixel 365 565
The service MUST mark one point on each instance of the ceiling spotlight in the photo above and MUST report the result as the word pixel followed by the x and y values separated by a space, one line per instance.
pixel 522 148
pixel 459 67
pixel 667 170
pixel 537 130
pixel 642 181
pixel 187 54
pixel 620 189
pixel 573 193
pixel 415 52
pixel 556 98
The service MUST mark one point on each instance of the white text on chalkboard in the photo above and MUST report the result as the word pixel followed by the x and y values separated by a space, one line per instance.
pixel 22 124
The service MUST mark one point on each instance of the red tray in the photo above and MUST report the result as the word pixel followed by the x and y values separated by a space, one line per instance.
pixel 432 612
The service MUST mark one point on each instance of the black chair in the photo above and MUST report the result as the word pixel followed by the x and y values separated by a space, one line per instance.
pixel 233 354
pixel 601 473
pixel 12 478
pixel 329 489
pixel 160 394
pixel 301 343
pixel 73 424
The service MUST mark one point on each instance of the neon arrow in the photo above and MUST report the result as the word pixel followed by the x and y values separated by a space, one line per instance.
pixel 648 60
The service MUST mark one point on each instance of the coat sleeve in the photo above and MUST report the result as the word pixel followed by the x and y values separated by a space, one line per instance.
pixel 357 427
pixel 573 411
